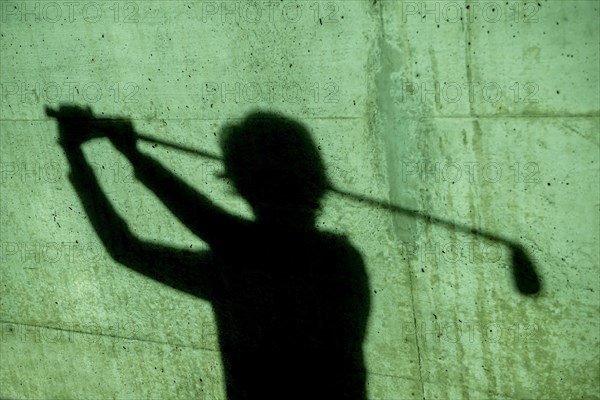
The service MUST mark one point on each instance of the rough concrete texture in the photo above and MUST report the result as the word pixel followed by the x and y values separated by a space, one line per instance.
pixel 483 113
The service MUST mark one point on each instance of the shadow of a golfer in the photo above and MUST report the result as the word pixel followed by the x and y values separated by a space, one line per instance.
pixel 291 302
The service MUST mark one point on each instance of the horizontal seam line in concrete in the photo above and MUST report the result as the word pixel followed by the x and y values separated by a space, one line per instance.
pixel 585 115
pixel 159 342
pixel 430 116
pixel 168 119
pixel 374 373
pixel 108 335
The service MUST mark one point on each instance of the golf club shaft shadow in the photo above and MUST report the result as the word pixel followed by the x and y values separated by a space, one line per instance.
pixel 524 275
pixel 523 271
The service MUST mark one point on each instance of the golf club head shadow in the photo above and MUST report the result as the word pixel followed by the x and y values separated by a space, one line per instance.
pixel 525 277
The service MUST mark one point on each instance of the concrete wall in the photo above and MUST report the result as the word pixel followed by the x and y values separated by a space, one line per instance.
pixel 517 156
pixel 385 88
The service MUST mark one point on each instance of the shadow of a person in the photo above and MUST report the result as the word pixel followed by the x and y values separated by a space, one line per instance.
pixel 291 302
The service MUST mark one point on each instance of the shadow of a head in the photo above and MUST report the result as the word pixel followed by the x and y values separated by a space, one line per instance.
pixel 274 164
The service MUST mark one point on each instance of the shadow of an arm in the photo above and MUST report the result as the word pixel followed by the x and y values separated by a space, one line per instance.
pixel 187 271
pixel 191 272
pixel 197 212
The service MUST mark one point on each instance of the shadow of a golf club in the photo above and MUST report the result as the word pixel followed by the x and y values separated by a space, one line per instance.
pixel 525 277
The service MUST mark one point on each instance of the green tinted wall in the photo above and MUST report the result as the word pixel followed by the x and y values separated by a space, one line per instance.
pixel 483 113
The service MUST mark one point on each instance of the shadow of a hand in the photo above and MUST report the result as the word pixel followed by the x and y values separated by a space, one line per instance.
pixel 122 135
pixel 75 125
